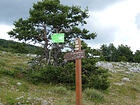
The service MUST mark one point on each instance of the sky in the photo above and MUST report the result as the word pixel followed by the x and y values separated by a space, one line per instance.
pixel 114 21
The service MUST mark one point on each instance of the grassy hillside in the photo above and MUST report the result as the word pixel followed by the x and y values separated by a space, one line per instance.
pixel 16 47
pixel 18 91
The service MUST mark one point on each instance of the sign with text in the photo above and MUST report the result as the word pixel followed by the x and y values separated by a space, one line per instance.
pixel 58 37
pixel 74 55
pixel 77 45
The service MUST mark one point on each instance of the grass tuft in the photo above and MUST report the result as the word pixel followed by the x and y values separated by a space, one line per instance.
pixel 94 95
pixel 59 90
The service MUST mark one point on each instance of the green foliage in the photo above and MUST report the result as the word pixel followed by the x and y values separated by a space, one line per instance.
pixel 2 63
pixel 48 74
pixel 52 74
pixel 94 95
pixel 68 74
pixel 45 18
pixel 122 58
pixel 7 72
pixel 16 47
pixel 137 56
pixel 99 79
pixel 64 75
pixel 122 53
pixel 126 52
pixel 109 53
pixel 91 75
pixel 60 74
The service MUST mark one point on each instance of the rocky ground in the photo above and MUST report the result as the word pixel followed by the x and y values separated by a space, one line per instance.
pixel 120 66
pixel 123 67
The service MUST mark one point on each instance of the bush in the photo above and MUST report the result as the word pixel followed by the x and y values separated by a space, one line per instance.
pixel 2 63
pixel 14 73
pixel 137 56
pixel 48 74
pixel 99 79
pixel 122 58
pixel 91 75
pixel 7 72
pixel 93 94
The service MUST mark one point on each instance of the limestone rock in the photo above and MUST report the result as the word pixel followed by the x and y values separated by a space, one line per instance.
pixel 119 84
pixel 18 83
pixel 126 79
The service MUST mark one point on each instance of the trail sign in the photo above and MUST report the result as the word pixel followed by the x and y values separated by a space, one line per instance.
pixel 74 55
pixel 77 55
pixel 58 37
pixel 77 45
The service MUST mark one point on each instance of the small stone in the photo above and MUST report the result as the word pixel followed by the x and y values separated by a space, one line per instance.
pixel 39 99
pixel 31 55
pixel 18 103
pixel 119 84
pixel 126 79
pixel 18 83
pixel 4 83
pixel 19 98
pixel 128 72
pixel 29 98
pixel 27 101
pixel 17 90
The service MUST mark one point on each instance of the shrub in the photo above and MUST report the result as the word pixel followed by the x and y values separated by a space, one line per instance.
pixel 91 75
pixel 93 94
pixel 2 63
pixel 99 79
pixel 14 73
pixel 123 58
pixel 68 74
pixel 7 72
pixel 47 74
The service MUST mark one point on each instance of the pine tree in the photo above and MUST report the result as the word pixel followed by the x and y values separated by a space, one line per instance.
pixel 47 17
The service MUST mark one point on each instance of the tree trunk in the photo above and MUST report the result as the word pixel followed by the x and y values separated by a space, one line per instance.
pixel 46 51
pixel 56 51
pixel 56 55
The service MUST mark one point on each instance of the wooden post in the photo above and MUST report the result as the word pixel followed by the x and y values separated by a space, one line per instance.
pixel 77 56
pixel 78 78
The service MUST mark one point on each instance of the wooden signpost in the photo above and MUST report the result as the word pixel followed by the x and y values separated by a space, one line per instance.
pixel 74 55
pixel 77 55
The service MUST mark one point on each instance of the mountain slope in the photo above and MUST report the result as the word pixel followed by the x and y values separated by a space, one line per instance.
pixel 124 89
pixel 16 47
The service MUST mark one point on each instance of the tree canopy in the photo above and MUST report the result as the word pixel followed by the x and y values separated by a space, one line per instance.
pixel 50 16
pixel 137 56
pixel 122 53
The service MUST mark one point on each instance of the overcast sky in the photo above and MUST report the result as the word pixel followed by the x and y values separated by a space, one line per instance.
pixel 114 21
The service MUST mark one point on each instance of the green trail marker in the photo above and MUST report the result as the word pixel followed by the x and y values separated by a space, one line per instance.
pixel 58 37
